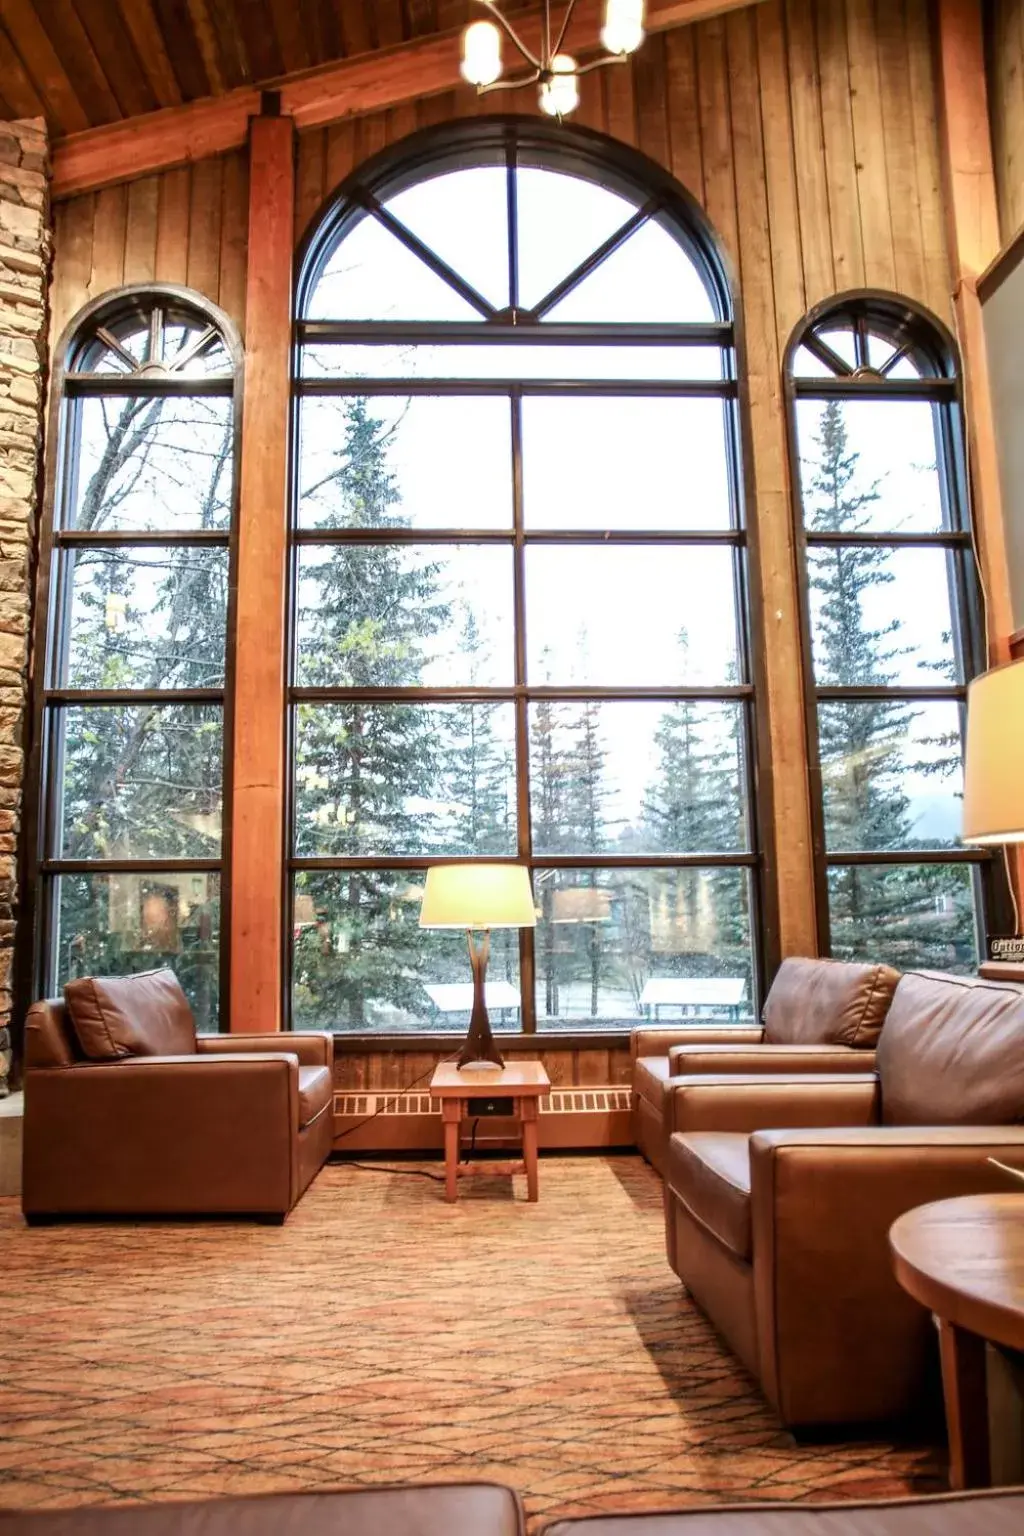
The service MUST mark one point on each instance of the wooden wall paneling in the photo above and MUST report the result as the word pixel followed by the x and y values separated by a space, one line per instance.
pixel 809 151
pixel 401 122
pixel 1006 66
pixel 716 137
pixel 341 154
pixel 172 226
pixel 140 236
pixel 840 155
pixel 234 236
pixel 683 106
pixel 590 112
pixel 620 102
pixel 900 150
pixel 371 136
pixel 865 93
pixel 438 108
pixel 651 107
pixel 108 240
pixel 938 278
pixel 203 270
pixel 310 170
pixel 257 844
pixel 787 274
pixel 775 565
pixel 64 111
pixel 74 229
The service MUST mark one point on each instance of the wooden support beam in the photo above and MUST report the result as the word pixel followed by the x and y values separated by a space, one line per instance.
pixel 973 227
pixel 368 82
pixel 257 825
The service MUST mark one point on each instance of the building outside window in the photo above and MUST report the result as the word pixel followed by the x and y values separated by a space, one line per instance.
pixel 134 622
pixel 519 576
pixel 893 632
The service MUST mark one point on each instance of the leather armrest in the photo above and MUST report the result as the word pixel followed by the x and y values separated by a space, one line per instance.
pixel 163 1134
pixel 658 1042
pixel 686 1060
pixel 718 1102
pixel 312 1049
pixel 822 1203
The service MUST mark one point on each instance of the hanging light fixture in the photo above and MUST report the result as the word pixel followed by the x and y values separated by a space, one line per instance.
pixel 556 73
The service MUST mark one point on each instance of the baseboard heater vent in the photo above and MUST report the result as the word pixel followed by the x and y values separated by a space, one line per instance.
pixel 569 1117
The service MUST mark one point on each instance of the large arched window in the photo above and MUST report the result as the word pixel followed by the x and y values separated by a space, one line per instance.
pixel 519 590
pixel 134 619
pixel 892 631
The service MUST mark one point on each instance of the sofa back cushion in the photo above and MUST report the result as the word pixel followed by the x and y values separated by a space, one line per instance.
pixel 952 1052
pixel 143 1015
pixel 828 1002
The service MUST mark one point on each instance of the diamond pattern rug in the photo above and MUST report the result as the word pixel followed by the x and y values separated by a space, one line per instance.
pixel 381 1336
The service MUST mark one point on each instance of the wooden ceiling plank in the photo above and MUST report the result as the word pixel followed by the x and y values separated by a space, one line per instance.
pixel 390 29
pixel 354 26
pixel 71 40
pixel 195 49
pixel 421 18
pixel 43 65
pixel 140 20
pixel 19 92
pixel 349 88
pixel 115 52
pixel 256 27
pixel 322 33
pixel 292 41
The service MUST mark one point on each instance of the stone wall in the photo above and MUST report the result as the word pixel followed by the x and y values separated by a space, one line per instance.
pixel 24 266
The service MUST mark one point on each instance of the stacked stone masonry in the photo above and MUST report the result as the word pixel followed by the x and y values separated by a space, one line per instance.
pixel 24 270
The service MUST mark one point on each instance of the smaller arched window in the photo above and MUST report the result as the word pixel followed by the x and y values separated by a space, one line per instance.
pixel 133 629
pixel 892 631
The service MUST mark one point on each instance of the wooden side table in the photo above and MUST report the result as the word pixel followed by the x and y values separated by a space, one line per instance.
pixel 964 1260
pixel 523 1084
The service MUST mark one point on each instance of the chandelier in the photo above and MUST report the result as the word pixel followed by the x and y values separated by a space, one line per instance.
pixel 556 73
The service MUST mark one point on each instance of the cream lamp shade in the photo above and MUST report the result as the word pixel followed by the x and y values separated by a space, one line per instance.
pixel 477 896
pixel 994 761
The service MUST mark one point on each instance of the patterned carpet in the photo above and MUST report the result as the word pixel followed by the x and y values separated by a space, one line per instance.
pixel 382 1335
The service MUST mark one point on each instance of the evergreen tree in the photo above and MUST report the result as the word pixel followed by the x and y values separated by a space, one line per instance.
pixel 479 778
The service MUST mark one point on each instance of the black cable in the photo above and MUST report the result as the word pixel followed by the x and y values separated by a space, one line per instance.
pixel 419 1173
pixel 468 1158
pixel 391 1097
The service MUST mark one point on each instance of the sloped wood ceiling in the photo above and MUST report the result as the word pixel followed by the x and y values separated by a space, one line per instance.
pixel 81 63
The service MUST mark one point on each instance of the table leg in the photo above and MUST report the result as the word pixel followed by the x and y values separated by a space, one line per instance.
pixel 528 1125
pixel 964 1391
pixel 452 1111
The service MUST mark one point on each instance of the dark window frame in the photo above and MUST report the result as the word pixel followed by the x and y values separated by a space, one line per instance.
pixel 916 333
pixel 41 866
pixel 494 142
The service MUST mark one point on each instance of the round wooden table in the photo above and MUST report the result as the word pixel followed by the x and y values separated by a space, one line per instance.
pixel 964 1260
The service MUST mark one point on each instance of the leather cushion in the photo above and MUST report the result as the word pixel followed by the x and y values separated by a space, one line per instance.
pixel 143 1015
pixel 952 1052
pixel 710 1172
pixel 650 1075
pixel 316 1086
pixel 828 1002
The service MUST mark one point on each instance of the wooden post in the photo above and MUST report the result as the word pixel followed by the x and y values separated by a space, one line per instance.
pixel 973 229
pixel 257 850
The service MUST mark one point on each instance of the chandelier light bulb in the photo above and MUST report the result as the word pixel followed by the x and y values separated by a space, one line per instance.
pixel 623 29
pixel 481 53
pixel 560 94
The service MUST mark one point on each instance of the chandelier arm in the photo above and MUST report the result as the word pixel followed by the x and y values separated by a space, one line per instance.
pixel 509 85
pixel 565 27
pixel 510 31
pixel 611 58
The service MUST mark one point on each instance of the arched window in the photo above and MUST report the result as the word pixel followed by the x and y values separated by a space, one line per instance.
pixel 519 590
pixel 892 630
pixel 134 619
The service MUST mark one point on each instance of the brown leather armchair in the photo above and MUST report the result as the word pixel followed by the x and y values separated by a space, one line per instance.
pixel 129 1113
pixel 782 1235
pixel 819 1016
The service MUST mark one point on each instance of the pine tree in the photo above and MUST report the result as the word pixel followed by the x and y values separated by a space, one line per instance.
pixel 479 773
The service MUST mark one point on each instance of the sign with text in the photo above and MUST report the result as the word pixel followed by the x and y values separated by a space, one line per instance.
pixel 1006 949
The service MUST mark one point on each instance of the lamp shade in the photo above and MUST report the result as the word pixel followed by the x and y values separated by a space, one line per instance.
pixel 994 764
pixel 477 896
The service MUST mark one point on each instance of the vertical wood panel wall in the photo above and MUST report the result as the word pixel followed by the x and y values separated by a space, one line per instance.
pixel 1006 106
pixel 807 129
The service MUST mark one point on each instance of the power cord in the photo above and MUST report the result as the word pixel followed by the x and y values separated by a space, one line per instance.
pixel 391 1098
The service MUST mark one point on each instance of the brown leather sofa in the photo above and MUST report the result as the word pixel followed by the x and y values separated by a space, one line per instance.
pixel 951 1514
pixel 128 1112
pixel 782 1235
pixel 819 1016
pixel 436 1509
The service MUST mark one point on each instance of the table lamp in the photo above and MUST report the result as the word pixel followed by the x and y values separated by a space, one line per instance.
pixel 474 897
pixel 994 757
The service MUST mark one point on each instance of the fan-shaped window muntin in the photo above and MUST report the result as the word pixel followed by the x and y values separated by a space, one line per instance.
pixel 131 713
pixel 892 631
pixel 505 389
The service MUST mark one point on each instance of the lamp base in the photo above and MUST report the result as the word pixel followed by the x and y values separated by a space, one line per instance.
pixel 479 1049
